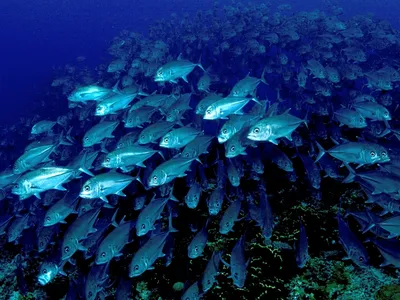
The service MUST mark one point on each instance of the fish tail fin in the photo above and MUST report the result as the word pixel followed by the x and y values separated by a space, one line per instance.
pixel 170 226
pixel 321 151
pixel 116 89
pixel 200 65
pixel 351 176
pixel 263 80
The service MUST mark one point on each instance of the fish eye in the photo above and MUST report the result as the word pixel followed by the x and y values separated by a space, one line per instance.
pixel 187 154
pixel 103 254
pixel 98 108
pixel 44 271
pixel 166 140
pixel 143 226
pixel 208 281
pixel 196 249
pixel 130 120
pixel 217 204
pixel 361 259
pixel 372 153
pixel 233 148
pixel 142 137
pixel 86 138
pixel 41 244
pixel 236 275
pixel 90 294
pixel 155 178
pixel 227 224
pixel 256 130
pixel 136 267
pixel 361 120
pixel 87 188
pixel 83 210
pixel 66 249
pixel 224 131
pixel 107 160
pixel 383 153
pixel 208 111
pixel 16 185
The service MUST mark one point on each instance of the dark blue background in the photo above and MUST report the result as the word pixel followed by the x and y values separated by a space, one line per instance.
pixel 36 36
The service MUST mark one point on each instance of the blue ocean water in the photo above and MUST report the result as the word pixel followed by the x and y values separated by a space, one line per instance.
pixel 41 39
pixel 39 36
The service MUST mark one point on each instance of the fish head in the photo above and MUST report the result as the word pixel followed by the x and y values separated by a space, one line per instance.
pixel 68 248
pixel 212 113
pixel 90 189
pixel 167 141
pixel 225 226
pixel 259 133
pixel 87 141
pixel 192 200
pixel 157 178
pixel 238 278
pixel 21 187
pixel 18 167
pixel 214 207
pixel 112 160
pixel 385 114
pixel 103 255
pixel 285 165
pixel 137 267
pixel 233 149
pixel 161 75
pixel 225 133
pixel 258 167
pixel 144 139
pixel 51 218
pixel 101 110
pixel 194 250
pixel 383 154
pixel 47 273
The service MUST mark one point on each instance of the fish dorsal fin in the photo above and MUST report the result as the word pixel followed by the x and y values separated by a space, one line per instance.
pixel 179 56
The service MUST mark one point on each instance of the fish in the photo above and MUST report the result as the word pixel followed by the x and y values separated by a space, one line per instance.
pixel 238 263
pixel 198 243
pixel 99 132
pixel 274 127
pixel 169 170
pixel 352 246
pixel 103 185
pixel 229 218
pixel 301 248
pixel 176 69
pixel 179 138
pixel 210 273
pixel 41 180
pixel 111 246
pixel 227 106
pixel 147 254
pixel 78 231
pixel 129 156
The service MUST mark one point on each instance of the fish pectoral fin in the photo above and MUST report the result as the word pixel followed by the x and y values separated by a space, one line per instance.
pixel 185 79
pixel 359 166
pixel 104 199
pixel 37 195
pixel 182 175
pixel 60 188
pixel 289 137
pixel 274 142
pixel 120 193
pixel 141 164
pixel 82 248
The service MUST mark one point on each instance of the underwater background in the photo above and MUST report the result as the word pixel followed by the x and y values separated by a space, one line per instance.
pixel 199 149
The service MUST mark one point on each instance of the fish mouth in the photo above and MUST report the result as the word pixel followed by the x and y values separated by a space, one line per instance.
pixel 43 280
